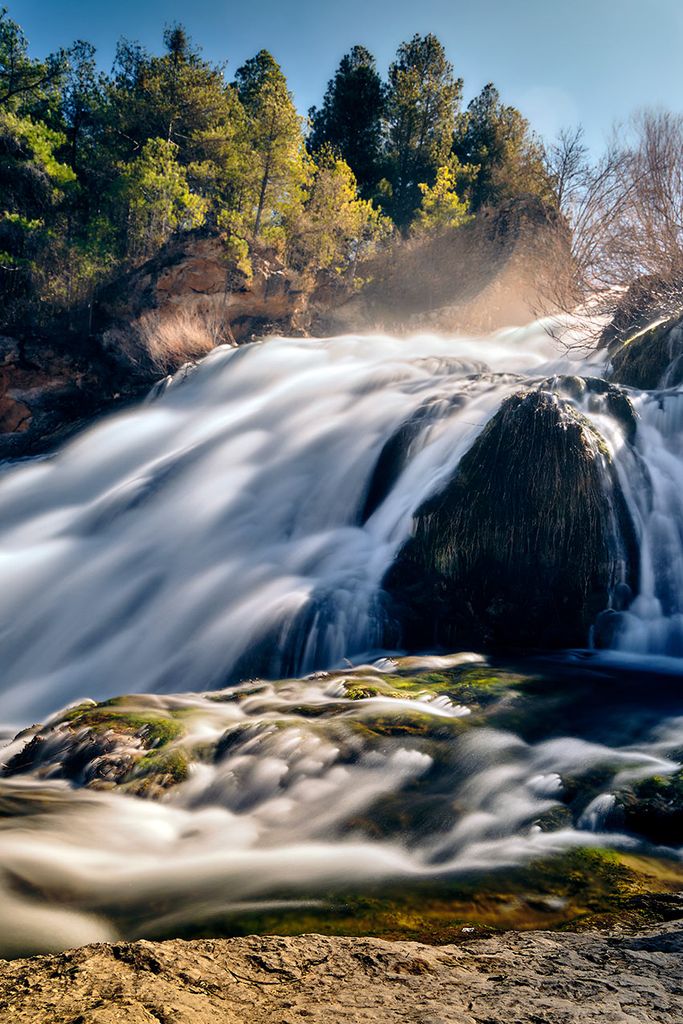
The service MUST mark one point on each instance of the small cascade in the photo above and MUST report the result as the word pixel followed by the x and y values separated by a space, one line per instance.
pixel 228 527
pixel 652 479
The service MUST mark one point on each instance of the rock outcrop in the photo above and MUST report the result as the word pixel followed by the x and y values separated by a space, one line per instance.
pixel 128 743
pixel 644 338
pixel 48 389
pixel 524 545
pixel 195 276
pixel 650 359
pixel 528 977
pixel 147 324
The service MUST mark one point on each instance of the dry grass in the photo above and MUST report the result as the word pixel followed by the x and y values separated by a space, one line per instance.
pixel 163 342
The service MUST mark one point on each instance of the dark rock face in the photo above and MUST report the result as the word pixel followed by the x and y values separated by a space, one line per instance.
pixel 652 358
pixel 48 389
pixel 525 544
pixel 395 452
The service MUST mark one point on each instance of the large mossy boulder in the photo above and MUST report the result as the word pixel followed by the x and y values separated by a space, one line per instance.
pixel 524 545
pixel 652 358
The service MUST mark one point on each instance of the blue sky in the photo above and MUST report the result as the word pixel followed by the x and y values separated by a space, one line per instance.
pixel 592 61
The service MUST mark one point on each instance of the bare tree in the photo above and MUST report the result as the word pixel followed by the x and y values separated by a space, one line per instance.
pixel 625 218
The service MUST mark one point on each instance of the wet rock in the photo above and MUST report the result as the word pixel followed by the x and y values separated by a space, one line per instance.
pixel 524 545
pixel 118 743
pixel 396 452
pixel 653 809
pixel 649 298
pixel 651 358
pixel 599 396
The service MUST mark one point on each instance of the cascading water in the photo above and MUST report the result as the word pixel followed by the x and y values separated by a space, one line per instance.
pixel 653 483
pixel 175 546
pixel 234 526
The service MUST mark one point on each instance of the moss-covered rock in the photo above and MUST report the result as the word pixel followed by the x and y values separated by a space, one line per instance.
pixel 124 742
pixel 653 809
pixel 651 358
pixel 526 542
pixel 582 888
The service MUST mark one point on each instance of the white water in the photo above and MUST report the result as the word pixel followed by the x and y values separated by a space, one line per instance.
pixel 162 547
pixel 653 483
pixel 285 817
pixel 166 544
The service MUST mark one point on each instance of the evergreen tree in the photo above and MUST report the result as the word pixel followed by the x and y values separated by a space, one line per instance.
pixel 422 100
pixel 26 85
pixel 274 127
pixel 350 119
pixel 82 102
pixel 497 139
pixel 159 199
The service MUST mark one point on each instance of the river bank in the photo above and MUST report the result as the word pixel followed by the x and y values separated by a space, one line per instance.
pixel 525 977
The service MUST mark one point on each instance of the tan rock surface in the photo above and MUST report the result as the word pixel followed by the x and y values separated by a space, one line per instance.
pixel 516 978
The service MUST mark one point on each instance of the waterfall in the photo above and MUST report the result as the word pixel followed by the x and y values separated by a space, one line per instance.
pixel 652 479
pixel 239 524
pixel 189 541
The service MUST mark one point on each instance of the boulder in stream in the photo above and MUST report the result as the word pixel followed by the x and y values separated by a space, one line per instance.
pixel 526 542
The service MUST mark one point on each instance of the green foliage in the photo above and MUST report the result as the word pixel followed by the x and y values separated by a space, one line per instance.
pixel 333 229
pixel 497 139
pixel 422 99
pixel 159 198
pixel 279 167
pixel 442 206
pixel 98 171
pixel 26 85
pixel 350 119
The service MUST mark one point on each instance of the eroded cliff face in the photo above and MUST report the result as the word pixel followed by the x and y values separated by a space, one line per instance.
pixel 195 276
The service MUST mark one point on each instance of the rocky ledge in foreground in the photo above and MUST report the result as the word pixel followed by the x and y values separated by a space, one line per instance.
pixel 519 977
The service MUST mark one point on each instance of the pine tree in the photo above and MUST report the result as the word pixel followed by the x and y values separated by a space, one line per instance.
pixel 350 119
pixel 422 100
pixel 275 135
pixel 497 139
pixel 159 199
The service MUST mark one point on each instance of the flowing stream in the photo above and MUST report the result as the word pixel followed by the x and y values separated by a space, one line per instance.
pixel 166 545
pixel 222 531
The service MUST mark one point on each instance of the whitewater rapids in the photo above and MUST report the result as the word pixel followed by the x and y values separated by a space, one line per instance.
pixel 167 547
pixel 161 548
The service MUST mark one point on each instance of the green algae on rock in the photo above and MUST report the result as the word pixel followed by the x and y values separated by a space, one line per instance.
pixel 125 742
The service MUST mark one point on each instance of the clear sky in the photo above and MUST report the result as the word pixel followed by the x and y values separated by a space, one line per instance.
pixel 559 61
